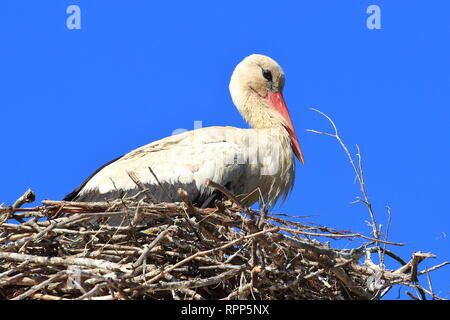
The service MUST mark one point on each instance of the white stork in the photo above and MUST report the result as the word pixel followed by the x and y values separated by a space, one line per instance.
pixel 255 164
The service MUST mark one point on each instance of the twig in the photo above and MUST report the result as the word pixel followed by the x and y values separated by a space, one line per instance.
pixel 28 197
pixel 227 193
pixel 159 183
pixel 149 247
pixel 357 170
pixel 335 235
pixel 84 262
pixel 93 291
pixel 41 285
pixel 386 235
pixel 141 186
pixel 434 268
pixel 430 285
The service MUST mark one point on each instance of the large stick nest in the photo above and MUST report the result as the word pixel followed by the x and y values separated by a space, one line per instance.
pixel 130 249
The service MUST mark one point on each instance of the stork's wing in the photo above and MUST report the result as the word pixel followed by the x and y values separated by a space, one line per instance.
pixel 181 161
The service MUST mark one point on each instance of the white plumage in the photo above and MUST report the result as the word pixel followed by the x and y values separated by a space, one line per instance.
pixel 255 164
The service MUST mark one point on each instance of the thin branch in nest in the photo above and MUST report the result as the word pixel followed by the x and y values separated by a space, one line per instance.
pixel 10 212
pixel 93 291
pixel 386 235
pixel 41 285
pixel 337 235
pixel 141 186
pixel 184 196
pixel 58 261
pixel 227 193
pixel 149 247
pixel 356 168
pixel 434 268
pixel 159 183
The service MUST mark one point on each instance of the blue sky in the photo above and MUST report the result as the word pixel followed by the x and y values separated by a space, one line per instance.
pixel 72 100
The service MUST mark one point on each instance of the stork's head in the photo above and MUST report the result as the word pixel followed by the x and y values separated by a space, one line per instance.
pixel 256 89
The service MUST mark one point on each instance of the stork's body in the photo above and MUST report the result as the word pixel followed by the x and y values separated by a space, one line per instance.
pixel 255 164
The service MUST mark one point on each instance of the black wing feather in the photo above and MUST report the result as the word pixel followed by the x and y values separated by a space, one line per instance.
pixel 74 194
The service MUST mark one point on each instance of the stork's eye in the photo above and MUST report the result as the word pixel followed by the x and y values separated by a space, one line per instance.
pixel 267 74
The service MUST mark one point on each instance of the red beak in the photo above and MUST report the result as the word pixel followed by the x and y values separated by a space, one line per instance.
pixel 277 101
